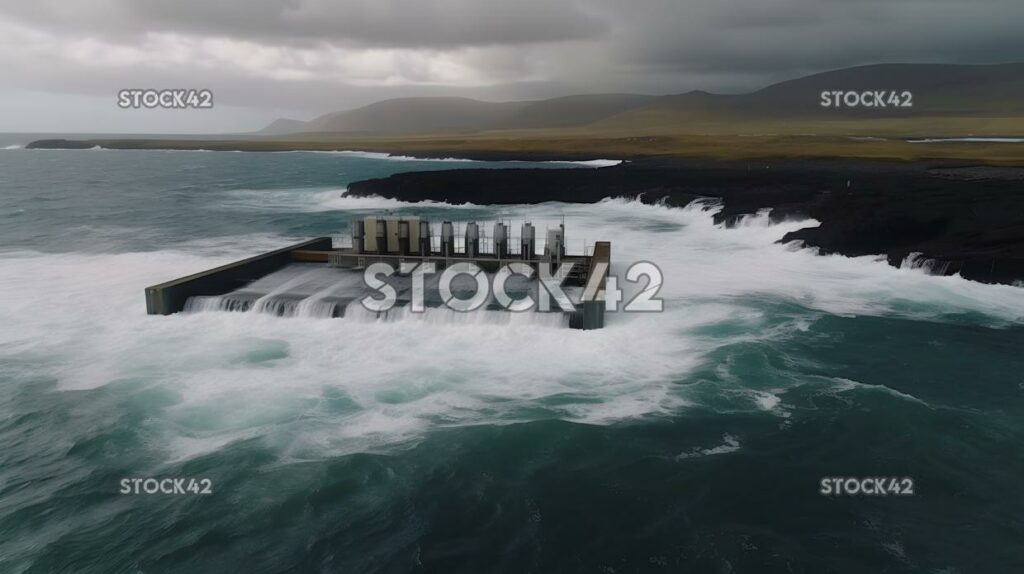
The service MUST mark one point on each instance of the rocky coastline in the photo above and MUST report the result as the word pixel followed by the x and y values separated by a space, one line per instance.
pixel 954 219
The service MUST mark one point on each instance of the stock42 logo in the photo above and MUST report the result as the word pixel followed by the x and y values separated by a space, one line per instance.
pixel 643 280
pixel 644 274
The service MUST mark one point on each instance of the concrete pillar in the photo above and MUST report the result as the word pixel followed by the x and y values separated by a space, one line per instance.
pixel 555 246
pixel 500 241
pixel 447 239
pixel 529 241
pixel 404 244
pixel 358 235
pixel 424 238
pixel 381 236
pixel 589 313
pixel 472 240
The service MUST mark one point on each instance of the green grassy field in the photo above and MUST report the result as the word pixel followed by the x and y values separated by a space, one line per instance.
pixel 573 144
pixel 784 120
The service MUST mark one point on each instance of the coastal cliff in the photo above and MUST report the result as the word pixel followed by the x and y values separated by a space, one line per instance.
pixel 950 218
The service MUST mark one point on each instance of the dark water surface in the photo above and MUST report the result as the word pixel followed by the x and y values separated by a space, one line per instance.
pixel 692 440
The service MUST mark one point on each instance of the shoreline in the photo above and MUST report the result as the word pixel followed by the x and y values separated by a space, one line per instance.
pixel 439 154
pixel 582 160
pixel 569 147
pixel 951 219
pixel 952 215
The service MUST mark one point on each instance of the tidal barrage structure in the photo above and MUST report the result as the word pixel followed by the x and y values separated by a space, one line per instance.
pixel 408 240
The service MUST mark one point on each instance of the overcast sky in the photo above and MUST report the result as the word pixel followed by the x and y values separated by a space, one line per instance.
pixel 63 61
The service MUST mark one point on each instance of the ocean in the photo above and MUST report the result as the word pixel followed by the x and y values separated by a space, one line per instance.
pixel 691 440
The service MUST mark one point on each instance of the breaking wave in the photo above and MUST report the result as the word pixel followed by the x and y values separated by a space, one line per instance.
pixel 285 370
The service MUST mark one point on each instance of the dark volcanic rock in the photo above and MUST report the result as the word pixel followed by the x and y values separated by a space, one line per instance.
pixel 969 220
pixel 60 144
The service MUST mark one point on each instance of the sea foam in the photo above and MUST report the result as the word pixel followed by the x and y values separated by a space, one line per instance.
pixel 321 387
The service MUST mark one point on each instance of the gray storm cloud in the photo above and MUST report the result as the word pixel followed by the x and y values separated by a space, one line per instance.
pixel 390 23
pixel 318 55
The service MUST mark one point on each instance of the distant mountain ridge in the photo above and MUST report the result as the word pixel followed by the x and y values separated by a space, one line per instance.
pixel 431 115
pixel 937 90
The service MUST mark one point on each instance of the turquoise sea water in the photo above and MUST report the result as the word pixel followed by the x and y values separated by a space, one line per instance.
pixel 692 440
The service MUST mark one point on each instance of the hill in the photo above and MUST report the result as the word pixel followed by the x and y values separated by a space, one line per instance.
pixel 909 92
pixel 434 115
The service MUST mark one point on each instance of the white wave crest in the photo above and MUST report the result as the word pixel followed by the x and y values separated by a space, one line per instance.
pixel 398 157
pixel 729 444
pixel 319 387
